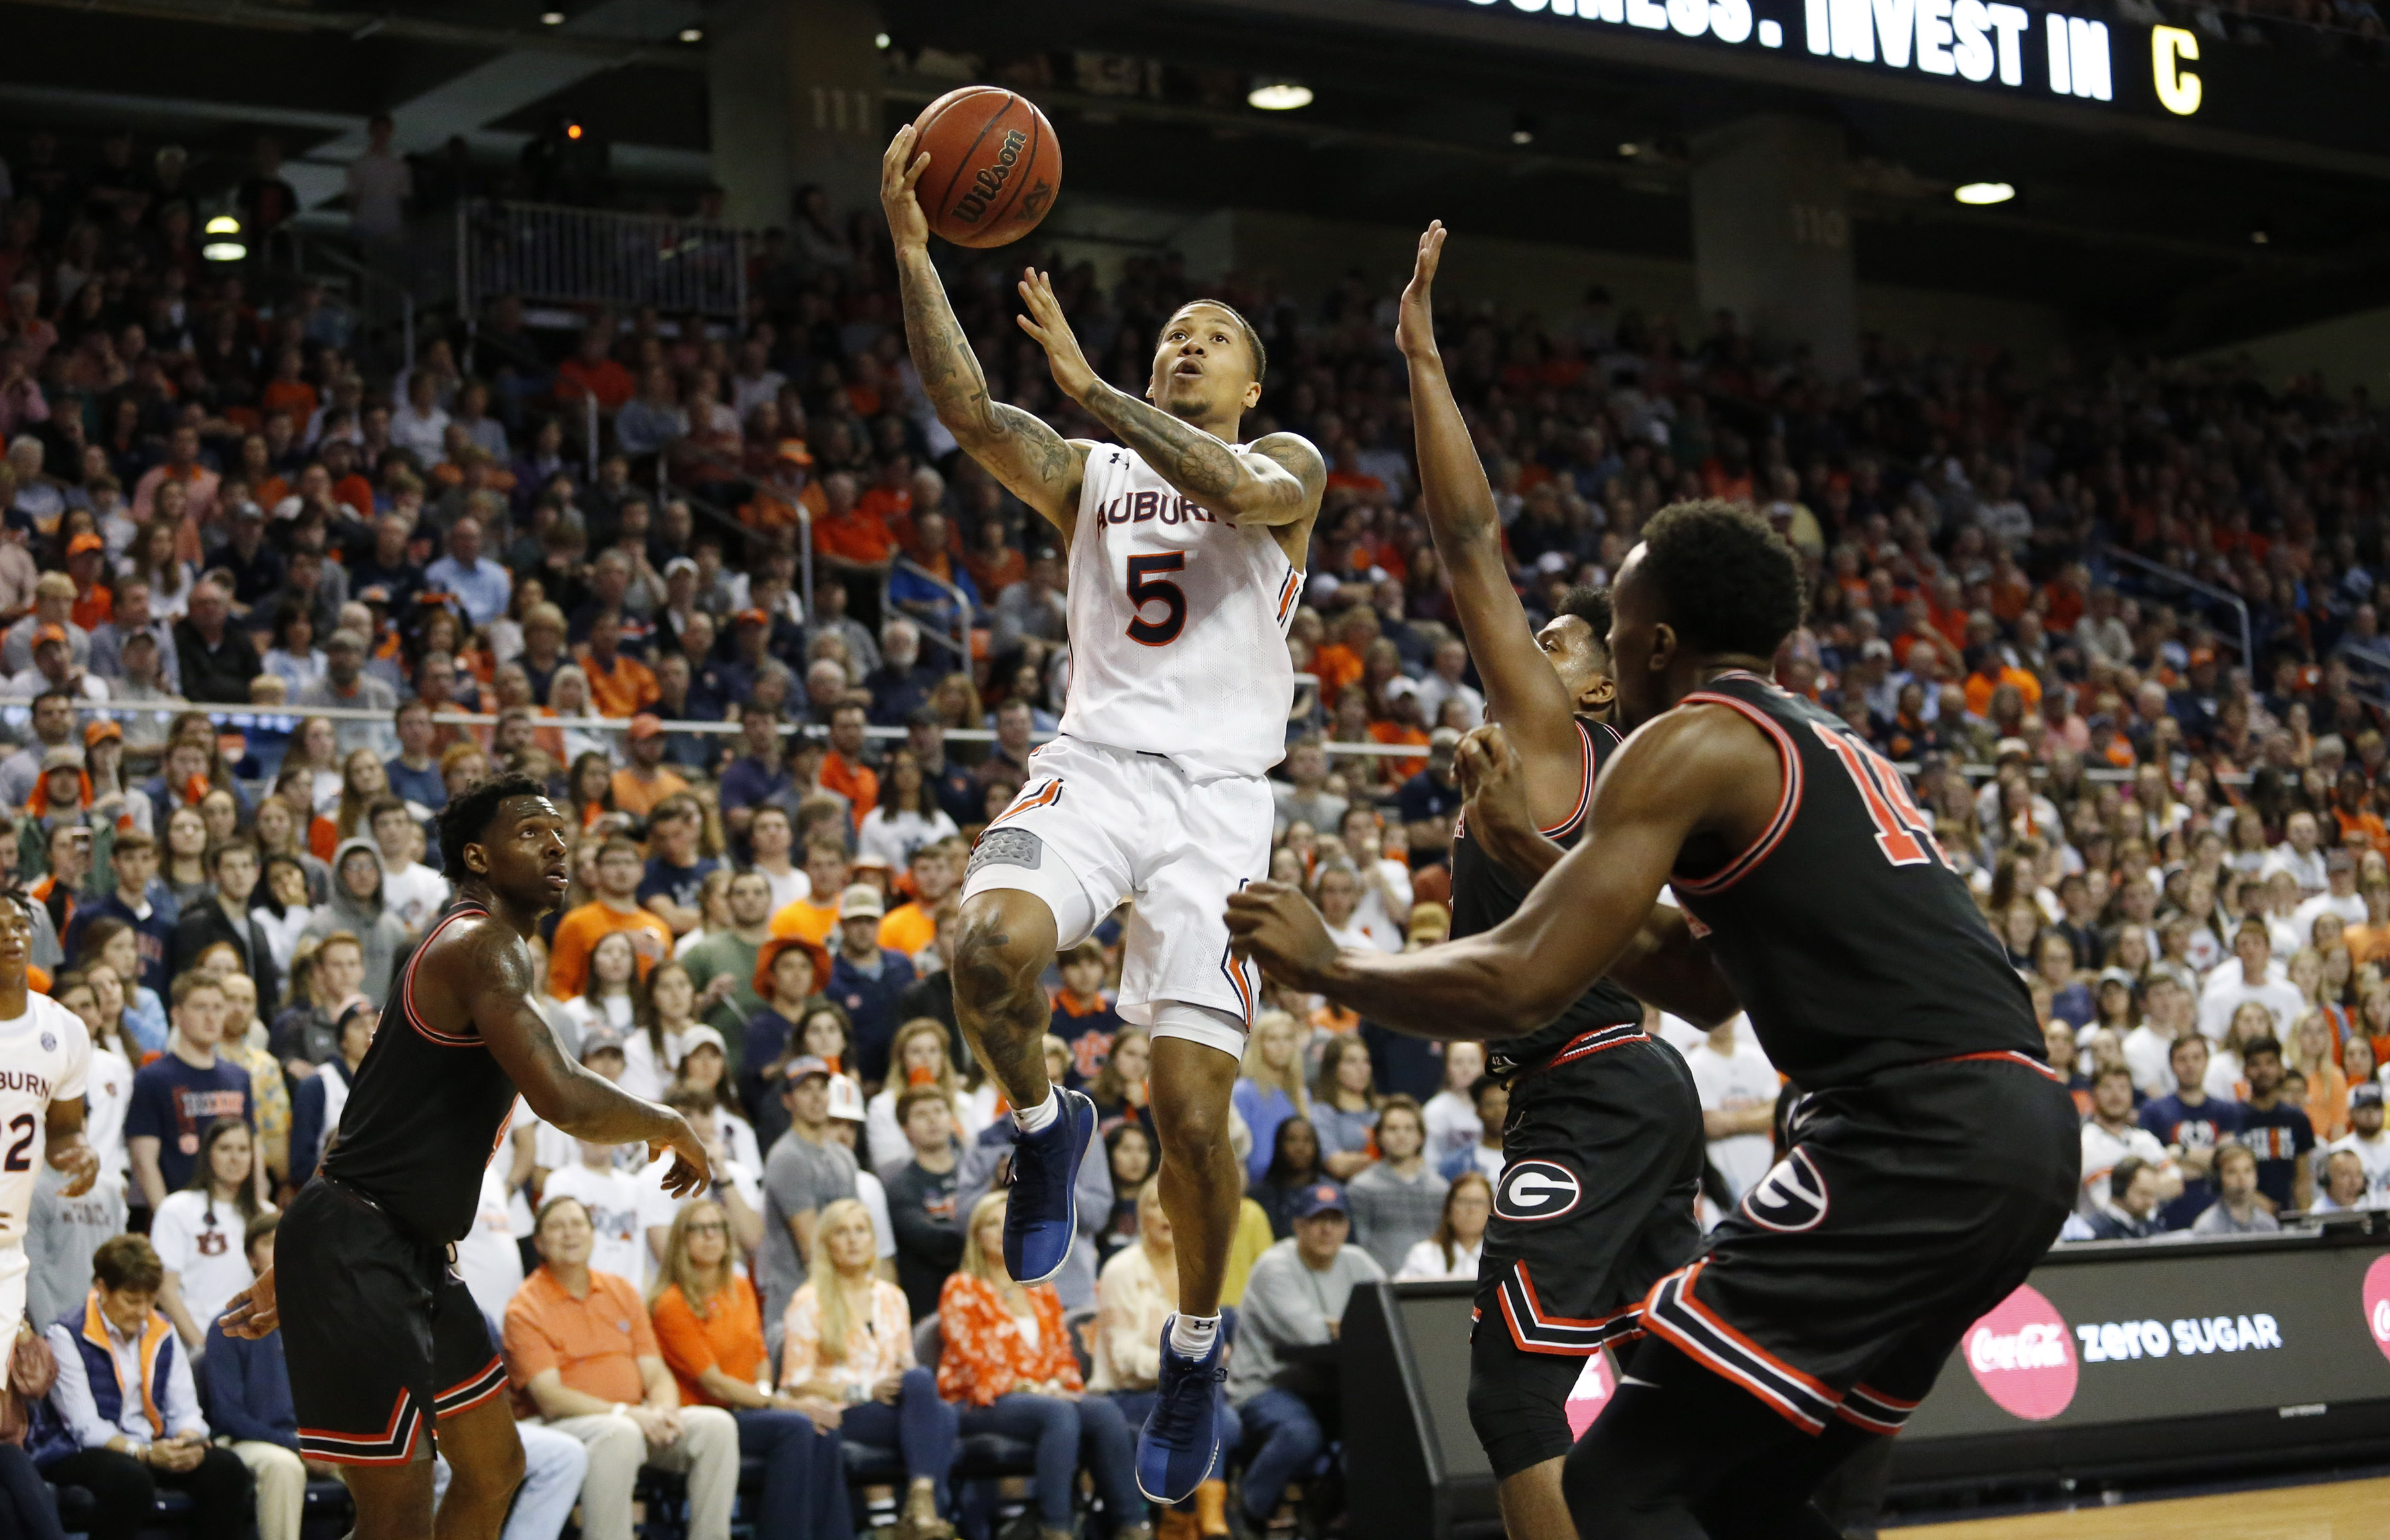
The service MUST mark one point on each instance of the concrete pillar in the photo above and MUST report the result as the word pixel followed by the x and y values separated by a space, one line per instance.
pixel 794 97
pixel 1772 234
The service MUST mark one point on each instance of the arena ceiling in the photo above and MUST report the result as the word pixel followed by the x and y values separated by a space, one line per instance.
pixel 2174 235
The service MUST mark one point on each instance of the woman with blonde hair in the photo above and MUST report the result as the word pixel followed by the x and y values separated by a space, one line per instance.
pixel 1009 1366
pixel 315 748
pixel 1270 1089
pixel 363 782
pixel 1453 1249
pixel 919 1055
pixel 847 1338
pixel 2310 1052
pixel 710 1329
pixel 567 696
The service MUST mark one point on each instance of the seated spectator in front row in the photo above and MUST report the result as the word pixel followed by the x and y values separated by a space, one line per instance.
pixel 711 1331
pixel 2236 1210
pixel 1295 1298
pixel 248 1393
pixel 1008 1365
pixel 848 1339
pixel 580 1343
pixel 124 1418
pixel 2125 1208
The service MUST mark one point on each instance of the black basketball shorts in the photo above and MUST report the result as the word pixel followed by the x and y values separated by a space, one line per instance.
pixel 1906 1207
pixel 1602 1162
pixel 381 1336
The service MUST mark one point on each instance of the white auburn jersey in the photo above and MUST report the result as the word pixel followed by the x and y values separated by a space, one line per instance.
pixel 1177 625
pixel 44 1057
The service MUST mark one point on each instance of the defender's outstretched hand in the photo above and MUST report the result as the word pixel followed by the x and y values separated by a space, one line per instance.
pixel 899 170
pixel 1072 373
pixel 691 1172
pixel 1415 321
pixel 253 1314
pixel 1275 926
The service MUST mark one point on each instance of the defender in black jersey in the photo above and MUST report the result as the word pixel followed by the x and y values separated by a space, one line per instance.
pixel 386 1347
pixel 1602 1148
pixel 1934 1154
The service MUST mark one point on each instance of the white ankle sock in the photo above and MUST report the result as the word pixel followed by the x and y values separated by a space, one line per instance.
pixel 1192 1336
pixel 1032 1120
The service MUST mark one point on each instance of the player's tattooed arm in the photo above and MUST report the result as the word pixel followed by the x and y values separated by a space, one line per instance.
pixel 1276 479
pixel 584 1104
pixel 1035 463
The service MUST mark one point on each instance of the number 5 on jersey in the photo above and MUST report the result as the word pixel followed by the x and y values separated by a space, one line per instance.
pixel 1144 589
pixel 1904 834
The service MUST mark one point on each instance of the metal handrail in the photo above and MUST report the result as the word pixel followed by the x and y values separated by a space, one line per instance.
pixel 2225 596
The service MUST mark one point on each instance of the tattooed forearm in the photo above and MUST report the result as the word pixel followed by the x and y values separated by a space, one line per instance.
pixel 942 355
pixel 1190 460
pixel 1035 463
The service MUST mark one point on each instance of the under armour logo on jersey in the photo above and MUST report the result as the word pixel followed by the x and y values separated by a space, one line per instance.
pixel 1791 1196
pixel 1536 1189
pixel 1007 847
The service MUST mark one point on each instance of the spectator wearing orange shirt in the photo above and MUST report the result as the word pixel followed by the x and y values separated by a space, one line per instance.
pixel 589 372
pixel 710 1328
pixel 86 560
pixel 889 498
pixel 1401 727
pixel 287 392
pixel 2350 806
pixel 1009 1368
pixel 580 1345
pixel 855 544
pixel 618 684
pixel 790 486
pixel 2368 940
pixel 614 906
pixel 847 769
pixel 639 785
pixel 1338 662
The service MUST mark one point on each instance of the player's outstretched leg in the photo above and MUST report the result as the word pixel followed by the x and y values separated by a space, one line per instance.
pixel 1006 939
pixel 485 1465
pixel 1192 1077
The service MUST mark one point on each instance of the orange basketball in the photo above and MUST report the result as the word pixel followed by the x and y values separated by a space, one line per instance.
pixel 993 169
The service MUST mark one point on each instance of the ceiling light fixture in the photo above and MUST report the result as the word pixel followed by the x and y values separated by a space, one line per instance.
pixel 1279 96
pixel 224 225
pixel 224 251
pixel 1522 129
pixel 880 40
pixel 1630 150
pixel 691 34
pixel 2260 237
pixel 1980 193
pixel 551 19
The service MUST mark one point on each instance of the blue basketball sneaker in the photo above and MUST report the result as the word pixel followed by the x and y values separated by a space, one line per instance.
pixel 1042 1218
pixel 1179 1444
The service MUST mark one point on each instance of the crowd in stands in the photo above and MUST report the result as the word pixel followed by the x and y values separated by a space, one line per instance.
pixel 240 580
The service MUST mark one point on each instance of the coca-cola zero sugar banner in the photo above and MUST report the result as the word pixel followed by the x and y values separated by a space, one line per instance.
pixel 2171 1330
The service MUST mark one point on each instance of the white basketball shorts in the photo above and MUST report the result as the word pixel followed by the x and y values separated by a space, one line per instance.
pixel 1095 825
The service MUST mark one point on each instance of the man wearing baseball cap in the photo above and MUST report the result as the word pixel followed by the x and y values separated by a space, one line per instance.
pixel 94 602
pixel 806 1168
pixel 55 669
pixel 1295 1298
pixel 867 977
pixel 2366 1141
pixel 645 782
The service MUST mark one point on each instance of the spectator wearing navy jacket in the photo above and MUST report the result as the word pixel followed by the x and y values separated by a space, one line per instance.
pixel 248 1402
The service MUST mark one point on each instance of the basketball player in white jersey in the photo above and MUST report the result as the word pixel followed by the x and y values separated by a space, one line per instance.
pixel 44 1056
pixel 1187 554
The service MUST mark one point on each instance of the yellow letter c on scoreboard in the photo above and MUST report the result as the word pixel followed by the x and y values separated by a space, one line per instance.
pixel 2177 88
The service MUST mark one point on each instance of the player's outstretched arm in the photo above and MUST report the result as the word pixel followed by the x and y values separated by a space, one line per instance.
pixel 1035 463
pixel 1679 775
pixel 1276 479
pixel 1664 966
pixel 1522 690
pixel 584 1105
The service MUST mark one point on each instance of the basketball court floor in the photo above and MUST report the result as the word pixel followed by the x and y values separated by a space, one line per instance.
pixel 2337 1510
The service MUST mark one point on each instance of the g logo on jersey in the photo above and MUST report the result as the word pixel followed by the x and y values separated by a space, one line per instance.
pixel 1536 1189
pixel 1791 1198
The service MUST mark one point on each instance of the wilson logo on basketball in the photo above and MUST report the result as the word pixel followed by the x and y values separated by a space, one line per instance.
pixel 2377 1302
pixel 2020 1355
pixel 1536 1189
pixel 991 179
pixel 1792 1197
